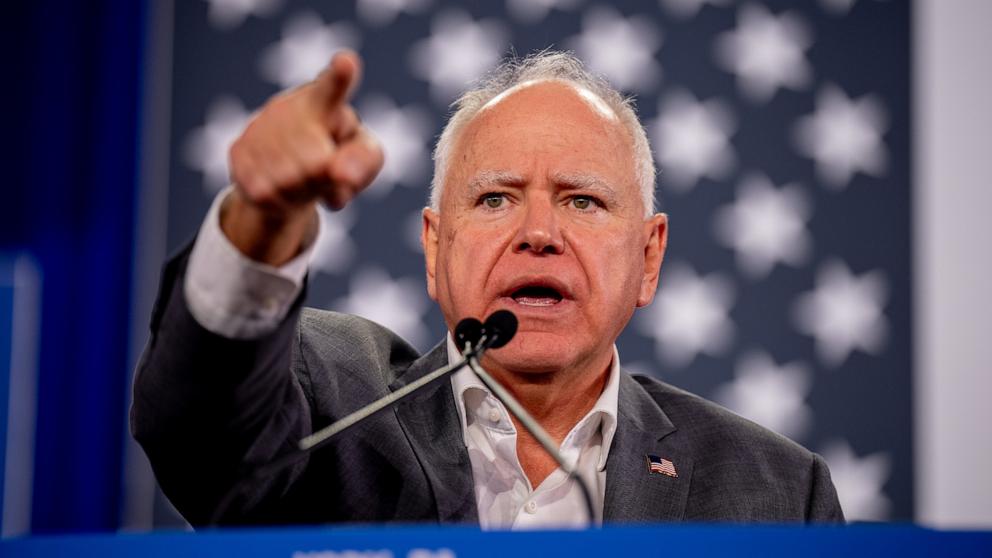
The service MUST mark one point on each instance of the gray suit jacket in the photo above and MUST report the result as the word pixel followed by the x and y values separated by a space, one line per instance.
pixel 205 407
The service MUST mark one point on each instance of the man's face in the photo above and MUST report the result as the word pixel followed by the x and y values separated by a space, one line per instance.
pixel 541 214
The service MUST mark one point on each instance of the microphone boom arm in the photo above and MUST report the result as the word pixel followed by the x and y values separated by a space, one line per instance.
pixel 326 433
pixel 532 426
pixel 320 437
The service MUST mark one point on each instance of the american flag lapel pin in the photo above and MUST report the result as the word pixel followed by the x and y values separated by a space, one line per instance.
pixel 661 466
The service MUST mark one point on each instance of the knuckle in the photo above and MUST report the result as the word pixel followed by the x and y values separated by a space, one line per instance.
pixel 254 187
pixel 337 198
pixel 350 115
pixel 265 195
pixel 345 174
pixel 243 174
pixel 314 165
pixel 237 156
pixel 315 153
pixel 284 173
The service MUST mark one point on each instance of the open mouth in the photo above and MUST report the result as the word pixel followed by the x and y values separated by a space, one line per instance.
pixel 535 295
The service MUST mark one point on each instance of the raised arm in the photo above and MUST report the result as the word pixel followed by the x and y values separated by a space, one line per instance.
pixel 214 392
pixel 305 145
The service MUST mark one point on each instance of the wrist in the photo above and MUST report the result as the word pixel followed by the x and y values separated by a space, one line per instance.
pixel 266 236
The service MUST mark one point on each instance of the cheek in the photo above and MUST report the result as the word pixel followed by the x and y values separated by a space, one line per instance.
pixel 615 268
pixel 469 258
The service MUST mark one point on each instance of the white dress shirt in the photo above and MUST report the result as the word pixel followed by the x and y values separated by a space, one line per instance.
pixel 234 296
pixel 503 493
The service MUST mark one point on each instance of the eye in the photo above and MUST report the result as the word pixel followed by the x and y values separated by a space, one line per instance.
pixel 585 203
pixel 493 200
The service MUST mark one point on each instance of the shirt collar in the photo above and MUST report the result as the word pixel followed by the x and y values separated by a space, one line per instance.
pixel 605 409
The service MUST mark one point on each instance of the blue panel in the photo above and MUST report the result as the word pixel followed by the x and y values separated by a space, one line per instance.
pixel 76 167
pixel 6 338
pixel 456 542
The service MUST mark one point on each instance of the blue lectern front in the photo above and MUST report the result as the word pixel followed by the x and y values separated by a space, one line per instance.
pixel 464 542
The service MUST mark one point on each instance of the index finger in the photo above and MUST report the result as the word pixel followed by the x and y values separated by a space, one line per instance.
pixel 336 82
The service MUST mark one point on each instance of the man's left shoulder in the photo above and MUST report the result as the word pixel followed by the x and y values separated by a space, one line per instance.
pixel 742 470
pixel 716 429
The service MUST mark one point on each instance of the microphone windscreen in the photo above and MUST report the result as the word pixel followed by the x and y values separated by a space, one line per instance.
pixel 467 331
pixel 499 328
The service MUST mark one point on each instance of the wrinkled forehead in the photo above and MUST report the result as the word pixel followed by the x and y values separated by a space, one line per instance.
pixel 594 101
pixel 582 136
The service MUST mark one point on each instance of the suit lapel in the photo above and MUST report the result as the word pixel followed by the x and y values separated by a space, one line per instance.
pixel 429 419
pixel 633 493
pixel 431 424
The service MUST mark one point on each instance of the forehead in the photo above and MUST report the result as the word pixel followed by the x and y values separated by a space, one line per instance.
pixel 542 102
pixel 557 86
pixel 545 126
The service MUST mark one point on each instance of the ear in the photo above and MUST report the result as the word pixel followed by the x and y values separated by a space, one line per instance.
pixel 428 239
pixel 655 242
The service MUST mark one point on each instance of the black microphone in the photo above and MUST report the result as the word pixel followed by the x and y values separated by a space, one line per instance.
pixel 468 332
pixel 499 328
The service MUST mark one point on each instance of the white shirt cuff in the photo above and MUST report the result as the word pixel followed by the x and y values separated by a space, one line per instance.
pixel 232 295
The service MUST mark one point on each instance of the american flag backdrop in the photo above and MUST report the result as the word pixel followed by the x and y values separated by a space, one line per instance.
pixel 781 131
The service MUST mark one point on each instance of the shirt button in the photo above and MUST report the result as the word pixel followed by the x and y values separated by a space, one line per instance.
pixel 494 415
pixel 531 506
pixel 270 305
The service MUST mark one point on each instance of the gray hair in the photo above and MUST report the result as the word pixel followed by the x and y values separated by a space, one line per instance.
pixel 546 65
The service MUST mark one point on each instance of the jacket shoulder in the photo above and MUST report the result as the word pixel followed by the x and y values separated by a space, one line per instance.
pixel 717 429
pixel 741 469
pixel 338 353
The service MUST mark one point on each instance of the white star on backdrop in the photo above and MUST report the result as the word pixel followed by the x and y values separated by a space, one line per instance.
pixel 689 315
pixel 844 312
pixel 396 304
pixel 622 49
pixel 206 147
pixel 403 133
pixel 765 52
pixel 765 225
pixel 691 140
pixel 334 249
pixel 305 49
pixel 859 481
pixel 770 395
pixel 844 136
pixel 687 9
pixel 380 13
pixel 458 51
pixel 229 14
pixel 533 11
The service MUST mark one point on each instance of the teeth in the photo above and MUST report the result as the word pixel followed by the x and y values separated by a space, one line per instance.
pixel 532 301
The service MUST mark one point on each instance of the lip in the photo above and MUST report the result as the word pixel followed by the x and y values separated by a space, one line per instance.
pixel 546 281
pixel 505 298
pixel 531 310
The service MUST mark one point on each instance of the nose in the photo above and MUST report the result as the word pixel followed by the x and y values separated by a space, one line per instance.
pixel 539 232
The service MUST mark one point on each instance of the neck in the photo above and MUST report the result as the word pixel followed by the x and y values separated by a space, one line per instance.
pixel 557 399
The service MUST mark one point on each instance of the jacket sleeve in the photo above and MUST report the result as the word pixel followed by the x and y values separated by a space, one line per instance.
pixel 823 507
pixel 207 408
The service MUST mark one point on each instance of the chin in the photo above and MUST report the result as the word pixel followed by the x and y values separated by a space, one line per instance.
pixel 534 353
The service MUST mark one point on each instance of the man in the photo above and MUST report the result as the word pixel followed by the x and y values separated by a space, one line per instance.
pixel 542 203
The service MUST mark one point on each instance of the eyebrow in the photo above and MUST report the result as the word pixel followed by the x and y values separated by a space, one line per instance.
pixel 489 178
pixel 587 182
pixel 565 180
